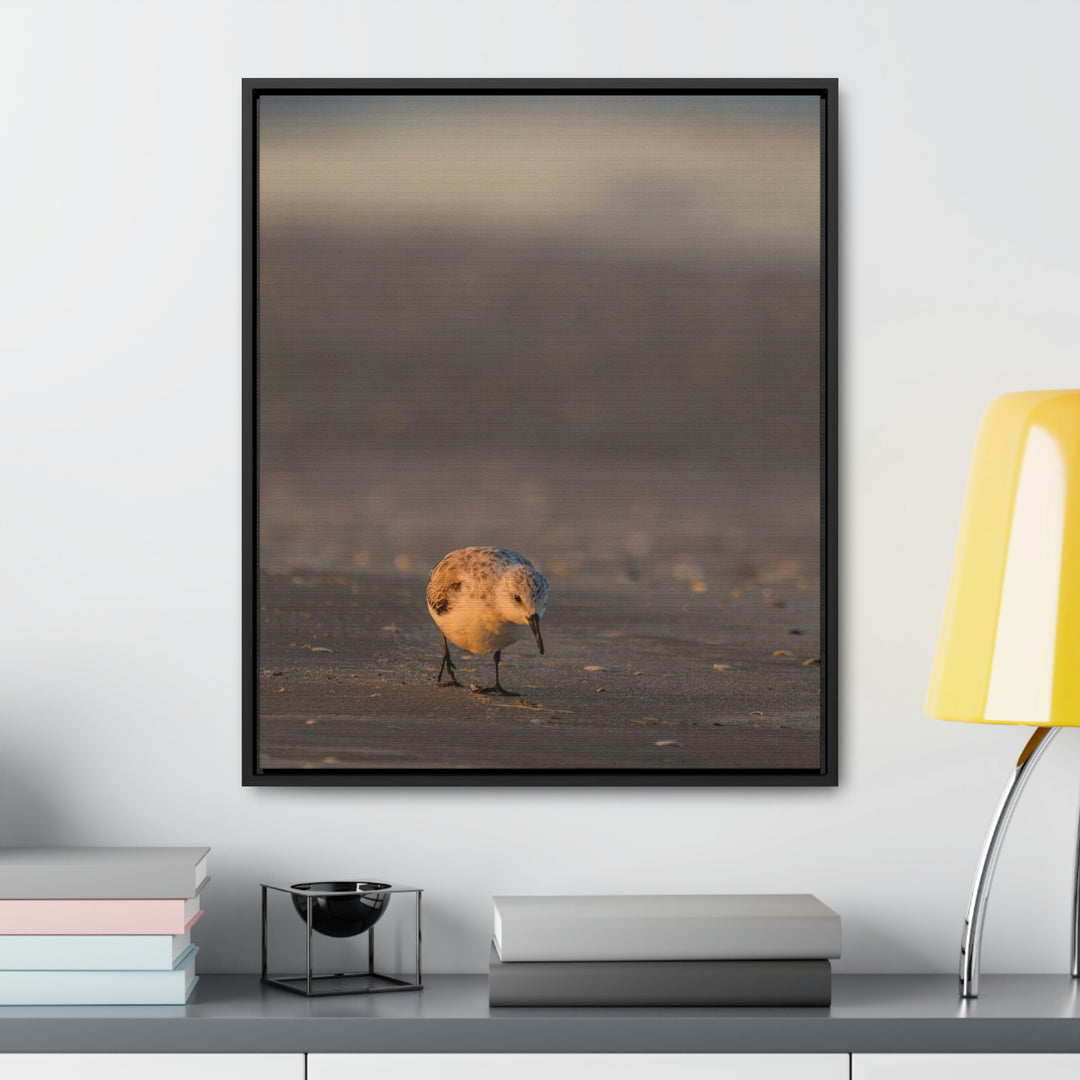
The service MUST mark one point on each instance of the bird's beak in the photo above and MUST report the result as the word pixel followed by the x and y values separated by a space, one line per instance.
pixel 534 622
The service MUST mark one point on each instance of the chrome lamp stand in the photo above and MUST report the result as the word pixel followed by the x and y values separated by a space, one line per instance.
pixel 971 944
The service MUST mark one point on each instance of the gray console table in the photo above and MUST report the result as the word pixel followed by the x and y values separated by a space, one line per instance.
pixel 871 1014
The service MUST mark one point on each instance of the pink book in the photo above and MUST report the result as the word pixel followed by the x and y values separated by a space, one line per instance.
pixel 98 916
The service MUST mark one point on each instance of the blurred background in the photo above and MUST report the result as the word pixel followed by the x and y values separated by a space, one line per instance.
pixel 585 327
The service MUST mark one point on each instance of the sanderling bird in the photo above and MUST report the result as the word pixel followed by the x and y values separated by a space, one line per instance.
pixel 482 599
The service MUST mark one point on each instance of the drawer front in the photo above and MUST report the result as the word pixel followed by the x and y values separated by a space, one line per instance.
pixel 578 1066
pixel 152 1066
pixel 965 1066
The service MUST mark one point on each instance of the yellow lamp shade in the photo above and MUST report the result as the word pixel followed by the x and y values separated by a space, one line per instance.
pixel 1009 650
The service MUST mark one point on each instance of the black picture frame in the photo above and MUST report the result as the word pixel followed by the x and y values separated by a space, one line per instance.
pixel 826 772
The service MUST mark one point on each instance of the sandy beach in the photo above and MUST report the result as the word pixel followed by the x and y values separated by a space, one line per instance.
pixel 638 677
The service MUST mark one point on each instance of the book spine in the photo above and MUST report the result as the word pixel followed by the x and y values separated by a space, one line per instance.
pixel 799 983
pixel 92 917
pixel 169 987
pixel 546 939
pixel 155 875
pixel 35 992
pixel 90 952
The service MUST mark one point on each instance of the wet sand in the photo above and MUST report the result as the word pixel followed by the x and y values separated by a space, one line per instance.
pixel 660 675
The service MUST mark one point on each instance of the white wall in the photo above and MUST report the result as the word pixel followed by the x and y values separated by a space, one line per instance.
pixel 120 457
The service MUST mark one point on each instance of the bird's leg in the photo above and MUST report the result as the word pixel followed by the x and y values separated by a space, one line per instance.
pixel 448 664
pixel 498 688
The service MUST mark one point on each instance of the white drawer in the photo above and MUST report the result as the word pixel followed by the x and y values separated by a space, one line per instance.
pixel 152 1066
pixel 578 1066
pixel 965 1066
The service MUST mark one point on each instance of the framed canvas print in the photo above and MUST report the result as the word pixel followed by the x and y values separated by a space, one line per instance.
pixel 540 431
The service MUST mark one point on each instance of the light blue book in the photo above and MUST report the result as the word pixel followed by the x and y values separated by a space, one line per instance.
pixel 170 987
pixel 91 952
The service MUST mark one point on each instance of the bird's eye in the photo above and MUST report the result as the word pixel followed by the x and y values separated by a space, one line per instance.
pixel 517 599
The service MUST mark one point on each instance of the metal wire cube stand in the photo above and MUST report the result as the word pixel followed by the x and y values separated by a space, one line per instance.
pixel 310 984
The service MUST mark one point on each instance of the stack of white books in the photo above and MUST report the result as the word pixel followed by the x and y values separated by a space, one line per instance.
pixel 99 926
pixel 747 950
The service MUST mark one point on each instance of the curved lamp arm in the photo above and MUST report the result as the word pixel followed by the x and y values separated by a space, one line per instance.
pixel 971 945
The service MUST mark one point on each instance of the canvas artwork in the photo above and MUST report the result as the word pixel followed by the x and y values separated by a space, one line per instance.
pixel 539 389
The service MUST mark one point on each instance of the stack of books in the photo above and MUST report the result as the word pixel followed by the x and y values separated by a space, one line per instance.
pixel 663 950
pixel 99 926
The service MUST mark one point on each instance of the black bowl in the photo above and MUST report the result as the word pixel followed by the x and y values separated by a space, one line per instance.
pixel 342 916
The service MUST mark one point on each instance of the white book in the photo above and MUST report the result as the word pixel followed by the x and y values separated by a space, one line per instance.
pixel 91 952
pixel 785 926
pixel 102 873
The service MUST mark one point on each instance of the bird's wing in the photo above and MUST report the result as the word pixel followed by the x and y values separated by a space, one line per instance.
pixel 442 585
